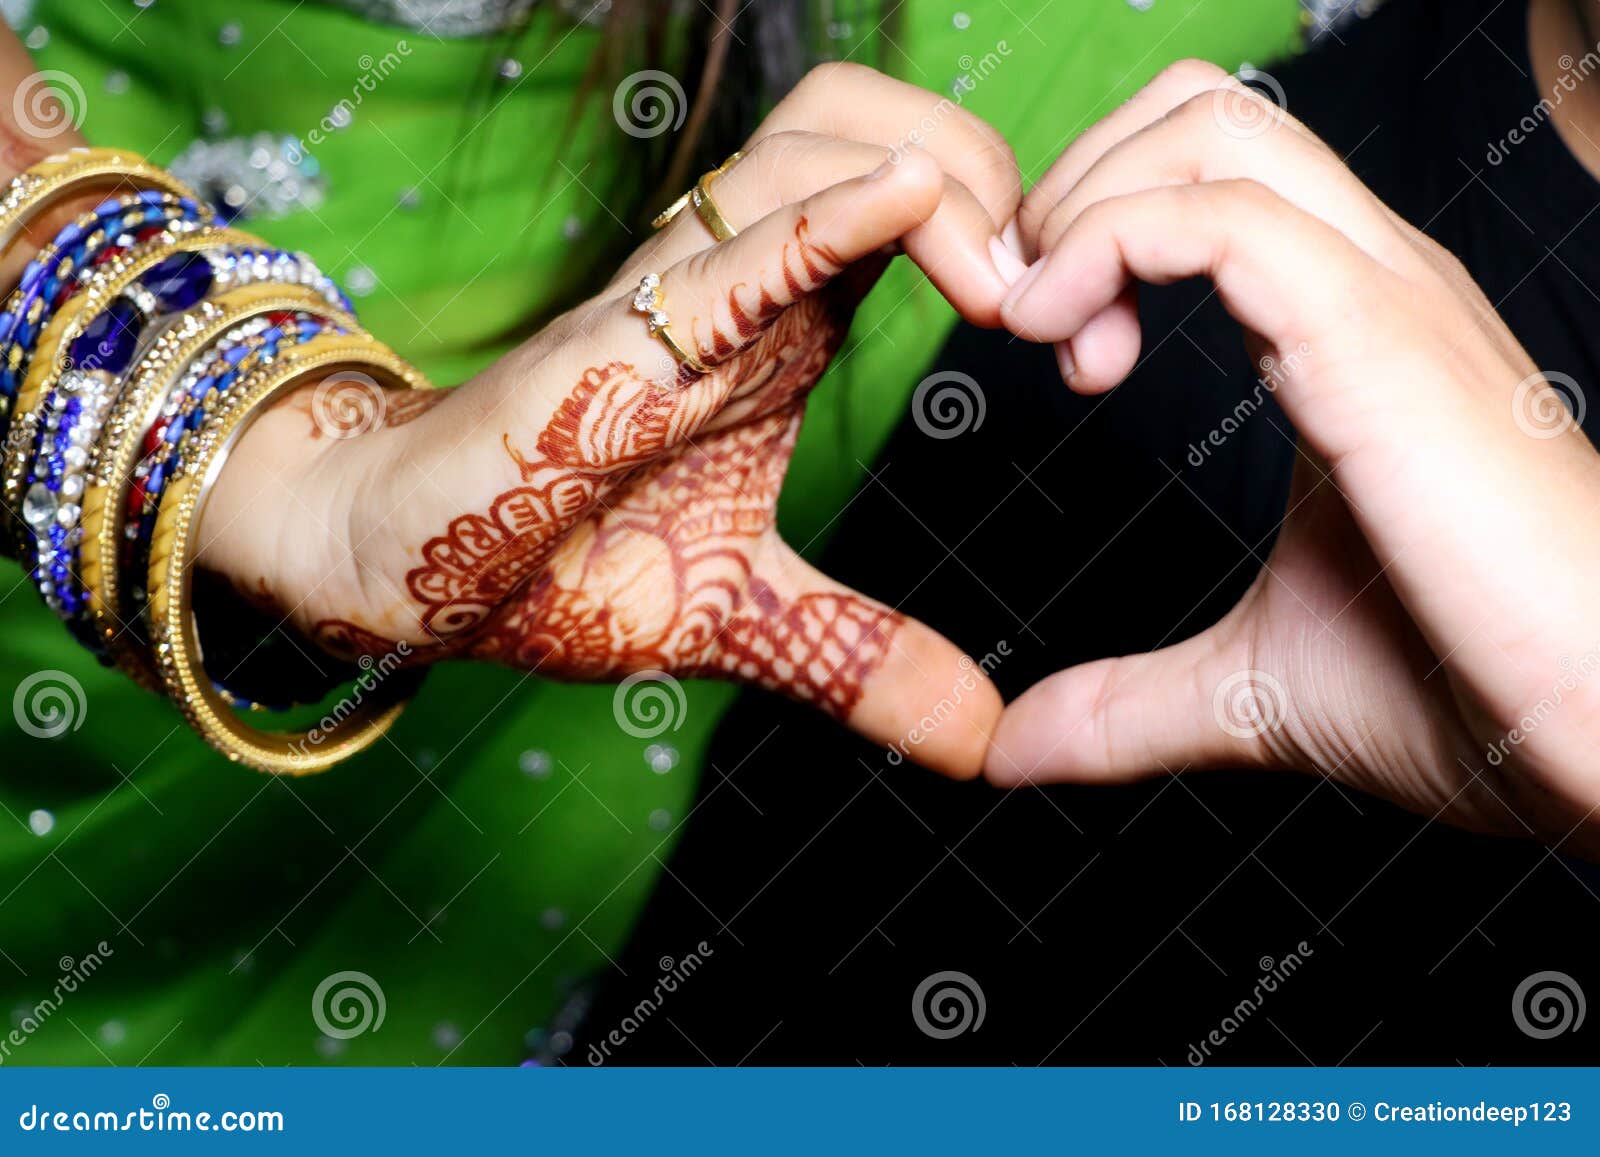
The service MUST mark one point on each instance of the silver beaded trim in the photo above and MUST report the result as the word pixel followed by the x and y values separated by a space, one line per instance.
pixel 1326 17
pixel 231 271
pixel 446 19
pixel 41 507
pixel 264 175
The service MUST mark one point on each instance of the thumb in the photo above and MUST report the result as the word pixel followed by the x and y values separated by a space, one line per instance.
pixel 1198 704
pixel 884 675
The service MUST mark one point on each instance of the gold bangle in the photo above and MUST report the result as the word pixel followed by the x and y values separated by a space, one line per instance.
pixel 47 364
pixel 175 641
pixel 89 225
pixel 121 448
pixel 77 171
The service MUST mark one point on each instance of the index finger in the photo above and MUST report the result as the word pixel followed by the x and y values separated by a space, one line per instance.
pixel 848 100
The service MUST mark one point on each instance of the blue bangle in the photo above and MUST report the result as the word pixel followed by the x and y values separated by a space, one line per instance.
pixel 202 388
pixel 73 414
pixel 70 414
pixel 59 269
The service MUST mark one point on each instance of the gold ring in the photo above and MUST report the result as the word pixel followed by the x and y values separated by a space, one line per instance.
pixel 664 218
pixel 647 300
pixel 700 197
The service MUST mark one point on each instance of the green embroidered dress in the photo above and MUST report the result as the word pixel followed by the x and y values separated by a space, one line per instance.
pixel 482 865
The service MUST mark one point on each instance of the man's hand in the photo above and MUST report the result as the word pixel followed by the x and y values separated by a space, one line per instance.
pixel 1427 627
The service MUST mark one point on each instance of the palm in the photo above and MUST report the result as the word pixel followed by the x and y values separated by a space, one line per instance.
pixel 683 571
pixel 1358 677
pixel 643 535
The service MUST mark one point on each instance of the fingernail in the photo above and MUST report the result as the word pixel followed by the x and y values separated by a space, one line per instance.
pixel 1011 235
pixel 1064 360
pixel 1007 263
pixel 1020 288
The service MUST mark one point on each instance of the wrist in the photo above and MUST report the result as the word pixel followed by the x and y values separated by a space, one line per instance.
pixel 277 524
pixel 309 514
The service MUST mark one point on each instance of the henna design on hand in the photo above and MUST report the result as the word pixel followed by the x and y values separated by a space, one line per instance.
pixel 667 579
pixel 641 533
pixel 806 267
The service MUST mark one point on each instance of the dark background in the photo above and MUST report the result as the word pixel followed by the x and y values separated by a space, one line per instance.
pixel 1122 925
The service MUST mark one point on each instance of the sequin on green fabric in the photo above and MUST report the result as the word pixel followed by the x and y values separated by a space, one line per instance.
pixel 472 875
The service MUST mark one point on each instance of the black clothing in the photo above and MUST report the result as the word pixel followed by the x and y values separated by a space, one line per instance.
pixel 1124 925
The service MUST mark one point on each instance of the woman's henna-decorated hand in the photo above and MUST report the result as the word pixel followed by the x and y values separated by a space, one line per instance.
pixel 586 509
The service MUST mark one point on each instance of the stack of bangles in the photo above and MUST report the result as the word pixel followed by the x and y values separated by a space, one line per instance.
pixel 136 349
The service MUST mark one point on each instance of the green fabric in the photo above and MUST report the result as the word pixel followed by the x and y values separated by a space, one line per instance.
pixel 474 893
